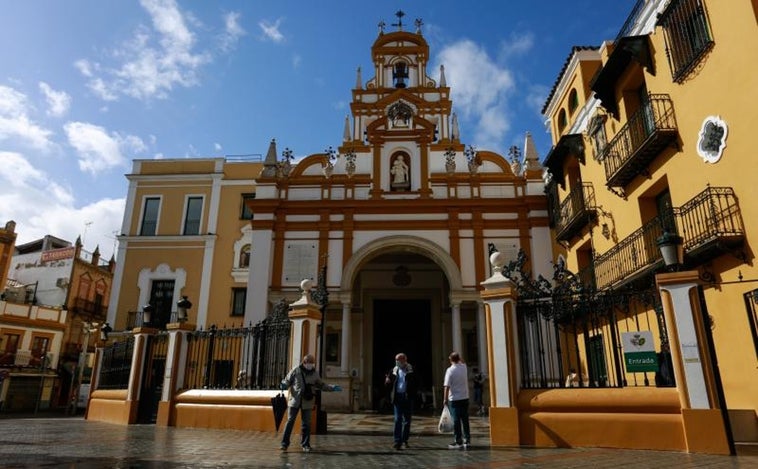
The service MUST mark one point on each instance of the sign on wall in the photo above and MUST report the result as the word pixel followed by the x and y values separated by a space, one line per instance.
pixel 57 254
pixel 639 351
pixel 300 262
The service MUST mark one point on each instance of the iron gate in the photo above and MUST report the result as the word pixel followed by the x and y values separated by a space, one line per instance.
pixel 569 333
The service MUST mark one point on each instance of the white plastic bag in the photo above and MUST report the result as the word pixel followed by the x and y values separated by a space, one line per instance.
pixel 446 421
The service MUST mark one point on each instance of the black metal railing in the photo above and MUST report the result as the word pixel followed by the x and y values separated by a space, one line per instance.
pixel 640 140
pixel 687 35
pixel 631 20
pixel 710 223
pixel 575 211
pixel 240 357
pixel 711 216
pixel 632 254
pixel 116 365
pixel 87 306
pixel 569 334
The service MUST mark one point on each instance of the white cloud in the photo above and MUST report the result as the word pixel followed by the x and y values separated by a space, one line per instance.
pixel 518 44
pixel 97 149
pixel 58 102
pixel 480 88
pixel 149 70
pixel 296 61
pixel 15 123
pixel 271 31
pixel 218 148
pixel 39 206
pixel 232 31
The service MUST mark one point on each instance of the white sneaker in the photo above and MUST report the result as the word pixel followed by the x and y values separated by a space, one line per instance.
pixel 466 446
pixel 306 449
pixel 454 446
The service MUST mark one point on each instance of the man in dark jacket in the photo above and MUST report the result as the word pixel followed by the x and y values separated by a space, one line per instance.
pixel 302 381
pixel 402 385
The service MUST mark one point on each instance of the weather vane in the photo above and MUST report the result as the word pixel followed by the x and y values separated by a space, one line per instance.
pixel 418 24
pixel 399 23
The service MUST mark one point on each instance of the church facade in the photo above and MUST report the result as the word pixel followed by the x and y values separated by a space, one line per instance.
pixel 401 216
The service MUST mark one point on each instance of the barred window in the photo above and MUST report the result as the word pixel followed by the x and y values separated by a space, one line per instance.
pixel 687 35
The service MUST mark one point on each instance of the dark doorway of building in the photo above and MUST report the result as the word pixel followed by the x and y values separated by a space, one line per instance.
pixel 401 326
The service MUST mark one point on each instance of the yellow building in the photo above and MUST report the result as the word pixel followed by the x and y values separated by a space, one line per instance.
pixel 186 232
pixel 652 133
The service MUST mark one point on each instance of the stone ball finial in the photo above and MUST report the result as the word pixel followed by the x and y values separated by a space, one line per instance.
pixel 497 259
pixel 306 285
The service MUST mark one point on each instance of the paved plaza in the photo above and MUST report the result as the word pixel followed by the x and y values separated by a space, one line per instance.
pixel 76 443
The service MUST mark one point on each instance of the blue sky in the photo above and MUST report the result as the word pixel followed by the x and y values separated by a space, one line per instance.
pixel 88 85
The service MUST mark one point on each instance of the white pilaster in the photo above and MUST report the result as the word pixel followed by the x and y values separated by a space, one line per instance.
pixel 346 338
pixel 481 334
pixel 457 333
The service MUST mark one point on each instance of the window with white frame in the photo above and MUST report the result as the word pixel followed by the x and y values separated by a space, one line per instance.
pixel 150 211
pixel 192 215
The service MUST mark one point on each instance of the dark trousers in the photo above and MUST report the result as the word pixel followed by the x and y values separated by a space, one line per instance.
pixel 403 409
pixel 305 429
pixel 459 413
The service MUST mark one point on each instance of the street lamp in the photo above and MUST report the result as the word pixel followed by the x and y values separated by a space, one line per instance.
pixel 105 329
pixel 147 314
pixel 181 309
pixel 672 250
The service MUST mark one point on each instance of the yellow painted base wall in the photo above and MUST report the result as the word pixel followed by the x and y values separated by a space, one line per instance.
pixel 633 418
pixel 111 406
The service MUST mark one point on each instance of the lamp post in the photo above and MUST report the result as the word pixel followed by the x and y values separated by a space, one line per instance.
pixel 181 309
pixel 147 314
pixel 672 250
pixel 87 328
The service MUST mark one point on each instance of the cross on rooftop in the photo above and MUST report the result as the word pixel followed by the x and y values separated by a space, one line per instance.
pixel 399 24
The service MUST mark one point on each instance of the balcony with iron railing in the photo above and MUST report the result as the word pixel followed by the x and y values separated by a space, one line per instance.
pixel 575 211
pixel 640 140
pixel 85 306
pixel 710 223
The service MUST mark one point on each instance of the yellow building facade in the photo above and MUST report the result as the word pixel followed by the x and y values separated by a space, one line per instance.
pixel 185 233
pixel 652 134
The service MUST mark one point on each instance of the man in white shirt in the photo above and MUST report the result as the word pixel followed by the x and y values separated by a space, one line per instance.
pixel 456 397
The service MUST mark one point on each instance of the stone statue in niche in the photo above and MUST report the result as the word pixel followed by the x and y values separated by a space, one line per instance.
pixel 400 174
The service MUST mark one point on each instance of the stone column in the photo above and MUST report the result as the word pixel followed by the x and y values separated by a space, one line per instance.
pixel 705 425
pixel 499 296
pixel 176 364
pixel 457 333
pixel 306 317
pixel 346 337
pixel 137 371
pixel 481 334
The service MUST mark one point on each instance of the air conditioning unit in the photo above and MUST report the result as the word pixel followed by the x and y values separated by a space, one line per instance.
pixel 62 282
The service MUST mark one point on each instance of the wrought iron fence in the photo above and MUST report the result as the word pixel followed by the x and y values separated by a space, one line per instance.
pixel 569 333
pixel 252 357
pixel 116 365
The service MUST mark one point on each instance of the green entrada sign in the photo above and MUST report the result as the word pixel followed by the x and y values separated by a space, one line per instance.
pixel 639 352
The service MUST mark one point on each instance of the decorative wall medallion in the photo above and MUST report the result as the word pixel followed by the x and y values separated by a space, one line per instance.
pixel 712 139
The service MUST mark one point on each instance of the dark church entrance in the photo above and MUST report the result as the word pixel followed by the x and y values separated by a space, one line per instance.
pixel 401 326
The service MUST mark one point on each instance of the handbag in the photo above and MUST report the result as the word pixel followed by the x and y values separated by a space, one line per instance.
pixel 446 421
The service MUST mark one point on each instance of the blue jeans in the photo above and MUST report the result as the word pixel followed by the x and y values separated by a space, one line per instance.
pixel 459 413
pixel 305 429
pixel 403 409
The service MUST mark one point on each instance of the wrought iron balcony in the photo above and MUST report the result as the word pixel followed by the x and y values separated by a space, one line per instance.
pixel 575 212
pixel 710 223
pixel 82 305
pixel 639 141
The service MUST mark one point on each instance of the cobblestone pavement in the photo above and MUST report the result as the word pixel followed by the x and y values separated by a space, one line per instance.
pixel 76 443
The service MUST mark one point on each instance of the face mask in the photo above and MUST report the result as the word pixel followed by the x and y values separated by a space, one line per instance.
pixel 309 366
